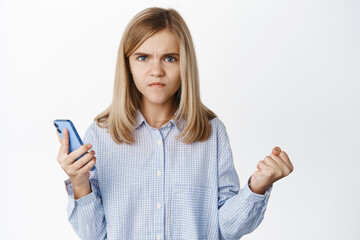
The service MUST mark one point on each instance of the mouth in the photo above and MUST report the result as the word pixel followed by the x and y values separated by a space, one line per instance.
pixel 156 84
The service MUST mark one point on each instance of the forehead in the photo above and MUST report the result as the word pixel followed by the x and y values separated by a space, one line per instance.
pixel 162 41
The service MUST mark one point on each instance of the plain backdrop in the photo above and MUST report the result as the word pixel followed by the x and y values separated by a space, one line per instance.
pixel 278 73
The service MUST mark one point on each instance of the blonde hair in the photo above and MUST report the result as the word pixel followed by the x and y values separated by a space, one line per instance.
pixel 120 116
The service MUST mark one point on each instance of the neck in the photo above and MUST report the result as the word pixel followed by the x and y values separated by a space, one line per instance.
pixel 156 115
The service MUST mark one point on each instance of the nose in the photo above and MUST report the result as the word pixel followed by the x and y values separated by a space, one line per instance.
pixel 156 69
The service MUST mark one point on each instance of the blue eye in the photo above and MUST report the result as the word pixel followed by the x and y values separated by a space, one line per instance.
pixel 144 58
pixel 174 59
pixel 141 57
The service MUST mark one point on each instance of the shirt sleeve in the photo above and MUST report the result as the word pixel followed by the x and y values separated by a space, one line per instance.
pixel 86 214
pixel 240 210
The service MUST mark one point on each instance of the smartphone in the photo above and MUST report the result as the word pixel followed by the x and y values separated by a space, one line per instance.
pixel 74 139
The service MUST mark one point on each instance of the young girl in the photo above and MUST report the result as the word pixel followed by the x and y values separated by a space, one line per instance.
pixel 164 166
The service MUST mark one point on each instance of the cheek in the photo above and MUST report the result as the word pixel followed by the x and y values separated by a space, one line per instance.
pixel 137 80
pixel 138 84
pixel 136 69
pixel 138 77
pixel 175 76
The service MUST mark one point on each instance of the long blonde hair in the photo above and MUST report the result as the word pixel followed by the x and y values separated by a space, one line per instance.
pixel 120 116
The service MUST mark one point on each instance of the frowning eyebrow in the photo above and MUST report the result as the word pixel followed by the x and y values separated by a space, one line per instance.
pixel 146 54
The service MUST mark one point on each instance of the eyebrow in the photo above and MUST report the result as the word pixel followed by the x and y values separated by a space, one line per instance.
pixel 146 54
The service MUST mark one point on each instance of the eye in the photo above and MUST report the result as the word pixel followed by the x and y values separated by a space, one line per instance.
pixel 173 59
pixel 139 58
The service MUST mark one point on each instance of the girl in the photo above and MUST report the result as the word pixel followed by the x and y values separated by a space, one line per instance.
pixel 164 166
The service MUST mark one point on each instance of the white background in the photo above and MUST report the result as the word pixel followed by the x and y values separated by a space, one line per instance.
pixel 278 73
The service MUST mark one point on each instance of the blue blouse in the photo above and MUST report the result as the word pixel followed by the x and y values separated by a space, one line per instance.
pixel 162 188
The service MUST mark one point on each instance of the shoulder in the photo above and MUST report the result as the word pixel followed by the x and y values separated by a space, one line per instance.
pixel 92 127
pixel 219 131
pixel 95 129
pixel 220 137
pixel 217 125
pixel 97 126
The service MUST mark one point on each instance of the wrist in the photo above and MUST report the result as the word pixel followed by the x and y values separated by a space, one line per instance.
pixel 81 190
pixel 256 188
pixel 79 183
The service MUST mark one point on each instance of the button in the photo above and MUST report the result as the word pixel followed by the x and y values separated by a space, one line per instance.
pixel 169 125
pixel 158 205
pixel 158 237
pixel 158 172
pixel 159 142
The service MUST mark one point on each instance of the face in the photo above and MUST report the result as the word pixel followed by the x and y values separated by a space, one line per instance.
pixel 155 68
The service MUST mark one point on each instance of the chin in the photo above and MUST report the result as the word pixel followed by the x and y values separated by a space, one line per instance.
pixel 158 100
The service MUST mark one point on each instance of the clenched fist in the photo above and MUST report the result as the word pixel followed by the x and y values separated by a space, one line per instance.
pixel 271 169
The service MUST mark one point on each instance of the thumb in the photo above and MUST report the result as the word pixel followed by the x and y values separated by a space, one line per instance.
pixel 64 148
pixel 276 151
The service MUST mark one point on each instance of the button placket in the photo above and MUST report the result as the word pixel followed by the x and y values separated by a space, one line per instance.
pixel 159 184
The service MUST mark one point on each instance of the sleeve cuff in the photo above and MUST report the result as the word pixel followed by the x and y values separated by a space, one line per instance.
pixel 255 196
pixel 88 198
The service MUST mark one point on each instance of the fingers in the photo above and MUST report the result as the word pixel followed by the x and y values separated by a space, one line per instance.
pixel 64 158
pixel 271 162
pixel 84 160
pixel 260 165
pixel 76 154
pixel 283 158
pixel 283 166
pixel 286 159
pixel 275 173
pixel 81 166
pixel 263 166
pixel 277 154
pixel 88 166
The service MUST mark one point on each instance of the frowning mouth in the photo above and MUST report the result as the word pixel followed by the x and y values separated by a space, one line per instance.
pixel 156 84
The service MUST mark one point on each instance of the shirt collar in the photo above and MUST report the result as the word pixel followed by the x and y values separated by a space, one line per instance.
pixel 178 123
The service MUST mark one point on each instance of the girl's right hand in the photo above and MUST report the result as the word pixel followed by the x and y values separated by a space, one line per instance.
pixel 78 171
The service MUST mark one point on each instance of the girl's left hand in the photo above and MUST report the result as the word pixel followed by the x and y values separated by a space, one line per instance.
pixel 271 169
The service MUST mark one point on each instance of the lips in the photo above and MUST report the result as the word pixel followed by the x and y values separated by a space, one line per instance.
pixel 156 84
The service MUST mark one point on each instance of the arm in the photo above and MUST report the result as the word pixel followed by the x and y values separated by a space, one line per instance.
pixel 240 210
pixel 86 214
pixel 85 210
